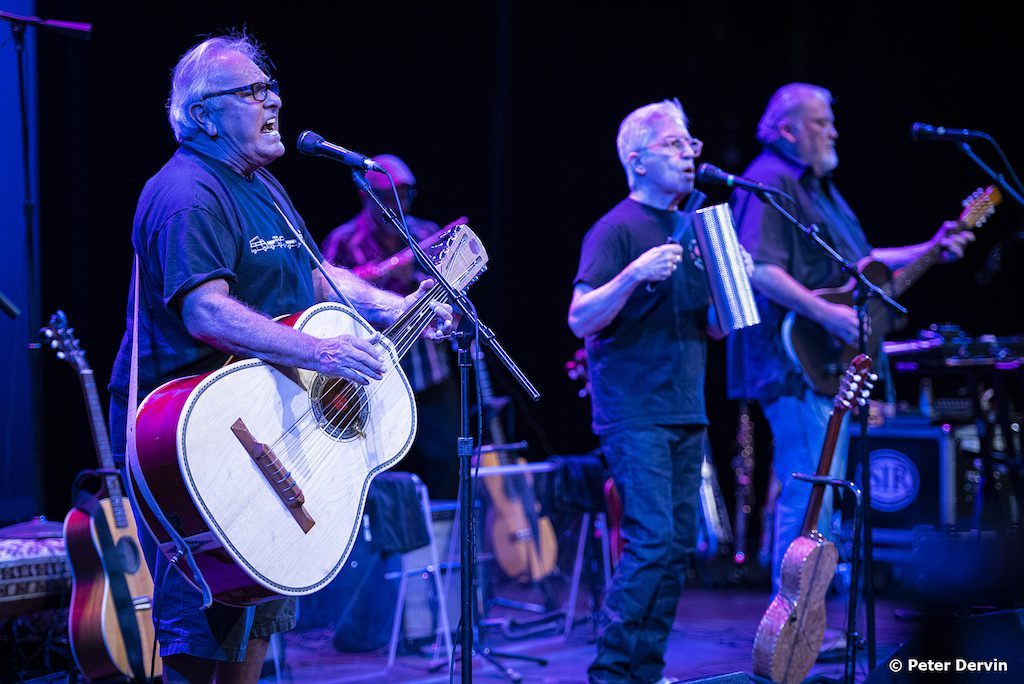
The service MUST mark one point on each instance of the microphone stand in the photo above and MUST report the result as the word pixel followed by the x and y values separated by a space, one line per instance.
pixel 29 206
pixel 472 328
pixel 997 177
pixel 864 291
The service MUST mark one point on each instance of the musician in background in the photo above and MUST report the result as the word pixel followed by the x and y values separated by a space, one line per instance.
pixel 366 244
pixel 646 348
pixel 799 137
pixel 216 262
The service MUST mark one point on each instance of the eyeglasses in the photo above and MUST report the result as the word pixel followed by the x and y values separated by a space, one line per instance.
pixel 676 144
pixel 257 90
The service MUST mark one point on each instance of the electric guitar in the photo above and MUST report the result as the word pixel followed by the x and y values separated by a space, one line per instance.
pixel 99 640
pixel 819 355
pixel 263 470
pixel 790 633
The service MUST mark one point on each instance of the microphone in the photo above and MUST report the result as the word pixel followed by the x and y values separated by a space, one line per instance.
pixel 314 145
pixel 712 175
pixel 922 131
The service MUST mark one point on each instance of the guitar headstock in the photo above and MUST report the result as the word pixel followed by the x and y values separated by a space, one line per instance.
pixel 460 256
pixel 60 337
pixel 979 206
pixel 856 384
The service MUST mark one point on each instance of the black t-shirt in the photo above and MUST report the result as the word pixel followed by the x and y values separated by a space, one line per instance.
pixel 199 220
pixel 758 367
pixel 647 365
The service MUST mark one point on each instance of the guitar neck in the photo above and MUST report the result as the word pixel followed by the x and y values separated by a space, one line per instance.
pixel 410 325
pixel 824 467
pixel 909 274
pixel 102 443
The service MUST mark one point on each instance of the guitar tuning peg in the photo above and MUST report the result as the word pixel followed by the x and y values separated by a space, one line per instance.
pixel 47 333
pixel 850 394
pixel 54 344
pixel 846 403
pixel 856 377
pixel 862 401
pixel 865 393
pixel 873 377
pixel 61 355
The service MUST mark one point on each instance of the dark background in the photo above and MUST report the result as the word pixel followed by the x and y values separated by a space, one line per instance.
pixel 507 112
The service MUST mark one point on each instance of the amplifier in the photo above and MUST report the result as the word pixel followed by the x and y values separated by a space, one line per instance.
pixel 913 476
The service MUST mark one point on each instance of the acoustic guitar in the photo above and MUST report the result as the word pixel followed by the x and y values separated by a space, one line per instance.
pixel 106 586
pixel 791 631
pixel 819 355
pixel 264 470
pixel 524 541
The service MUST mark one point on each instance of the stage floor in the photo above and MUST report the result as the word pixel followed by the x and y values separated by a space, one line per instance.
pixel 713 634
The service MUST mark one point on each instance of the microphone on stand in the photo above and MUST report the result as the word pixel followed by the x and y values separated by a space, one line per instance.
pixel 712 175
pixel 922 131
pixel 314 145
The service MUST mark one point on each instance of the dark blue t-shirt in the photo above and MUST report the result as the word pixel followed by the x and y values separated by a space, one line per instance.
pixel 198 220
pixel 647 365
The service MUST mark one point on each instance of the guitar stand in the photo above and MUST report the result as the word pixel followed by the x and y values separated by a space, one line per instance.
pixel 467 506
pixel 853 637
pixel 864 291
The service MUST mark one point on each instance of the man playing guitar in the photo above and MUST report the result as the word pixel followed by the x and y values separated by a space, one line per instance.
pixel 799 137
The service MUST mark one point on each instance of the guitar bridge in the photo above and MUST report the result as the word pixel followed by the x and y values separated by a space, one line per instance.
pixel 280 480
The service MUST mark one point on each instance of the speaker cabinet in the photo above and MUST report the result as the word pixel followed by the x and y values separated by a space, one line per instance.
pixel 913 477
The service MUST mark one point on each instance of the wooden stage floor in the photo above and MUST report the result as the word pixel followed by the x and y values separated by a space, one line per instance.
pixel 713 634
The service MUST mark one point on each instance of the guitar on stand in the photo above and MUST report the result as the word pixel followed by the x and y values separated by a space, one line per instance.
pixel 524 542
pixel 822 357
pixel 792 629
pixel 111 618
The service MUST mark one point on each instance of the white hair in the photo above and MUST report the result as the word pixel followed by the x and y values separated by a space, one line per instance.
pixel 783 107
pixel 191 77
pixel 639 127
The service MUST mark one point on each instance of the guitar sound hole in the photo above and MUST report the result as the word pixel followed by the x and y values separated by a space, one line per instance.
pixel 128 552
pixel 340 407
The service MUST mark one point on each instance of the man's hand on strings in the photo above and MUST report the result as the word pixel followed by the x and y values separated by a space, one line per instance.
pixel 444 318
pixel 349 357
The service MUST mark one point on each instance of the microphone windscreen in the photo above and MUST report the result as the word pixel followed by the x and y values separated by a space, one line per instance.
pixel 309 142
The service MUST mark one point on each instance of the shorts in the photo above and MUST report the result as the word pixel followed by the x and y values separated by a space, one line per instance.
pixel 220 632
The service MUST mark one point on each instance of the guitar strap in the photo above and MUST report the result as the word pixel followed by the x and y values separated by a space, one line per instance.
pixel 134 470
pixel 113 566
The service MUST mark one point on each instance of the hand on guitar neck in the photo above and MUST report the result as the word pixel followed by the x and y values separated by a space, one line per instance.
pixel 791 631
pixel 820 336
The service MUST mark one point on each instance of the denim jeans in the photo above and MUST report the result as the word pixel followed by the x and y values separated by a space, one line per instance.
pixel 798 427
pixel 657 474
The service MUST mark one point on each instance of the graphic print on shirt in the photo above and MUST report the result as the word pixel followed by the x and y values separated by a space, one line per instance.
pixel 258 244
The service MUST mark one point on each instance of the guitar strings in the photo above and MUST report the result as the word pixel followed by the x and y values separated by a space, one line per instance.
pixel 353 399
pixel 356 399
pixel 409 325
